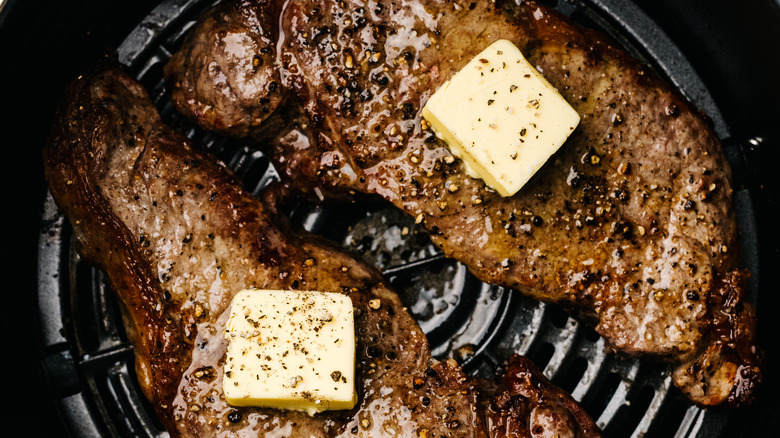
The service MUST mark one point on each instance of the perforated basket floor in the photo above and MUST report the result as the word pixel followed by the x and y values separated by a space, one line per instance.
pixel 479 324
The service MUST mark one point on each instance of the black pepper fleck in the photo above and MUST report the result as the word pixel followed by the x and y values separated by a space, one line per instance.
pixel 234 417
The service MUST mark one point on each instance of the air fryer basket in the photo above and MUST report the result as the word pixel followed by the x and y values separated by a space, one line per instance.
pixel 90 361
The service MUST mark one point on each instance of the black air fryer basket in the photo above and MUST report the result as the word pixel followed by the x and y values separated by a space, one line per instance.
pixel 73 348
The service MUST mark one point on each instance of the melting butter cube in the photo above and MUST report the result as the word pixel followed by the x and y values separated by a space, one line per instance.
pixel 501 117
pixel 290 350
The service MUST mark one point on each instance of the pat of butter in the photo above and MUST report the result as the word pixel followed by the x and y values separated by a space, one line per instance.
pixel 501 117
pixel 290 350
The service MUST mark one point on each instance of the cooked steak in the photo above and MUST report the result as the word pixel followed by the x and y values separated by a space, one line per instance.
pixel 630 225
pixel 527 402
pixel 178 236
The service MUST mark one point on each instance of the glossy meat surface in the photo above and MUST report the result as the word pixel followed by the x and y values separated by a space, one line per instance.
pixel 178 236
pixel 527 405
pixel 629 225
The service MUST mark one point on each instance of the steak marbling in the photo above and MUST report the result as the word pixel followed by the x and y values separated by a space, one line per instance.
pixel 630 225
pixel 178 236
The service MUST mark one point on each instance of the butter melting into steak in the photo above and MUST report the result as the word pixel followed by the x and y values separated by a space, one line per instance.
pixel 178 236
pixel 630 225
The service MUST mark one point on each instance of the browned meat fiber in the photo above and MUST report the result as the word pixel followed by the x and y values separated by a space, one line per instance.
pixel 630 225
pixel 178 236
pixel 527 401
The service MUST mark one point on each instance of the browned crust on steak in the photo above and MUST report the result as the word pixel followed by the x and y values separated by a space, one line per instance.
pixel 178 237
pixel 729 369
pixel 528 405
pixel 236 109
pixel 630 225
pixel 155 213
pixel 72 163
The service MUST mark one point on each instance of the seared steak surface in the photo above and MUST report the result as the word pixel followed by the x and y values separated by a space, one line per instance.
pixel 178 236
pixel 528 405
pixel 629 225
